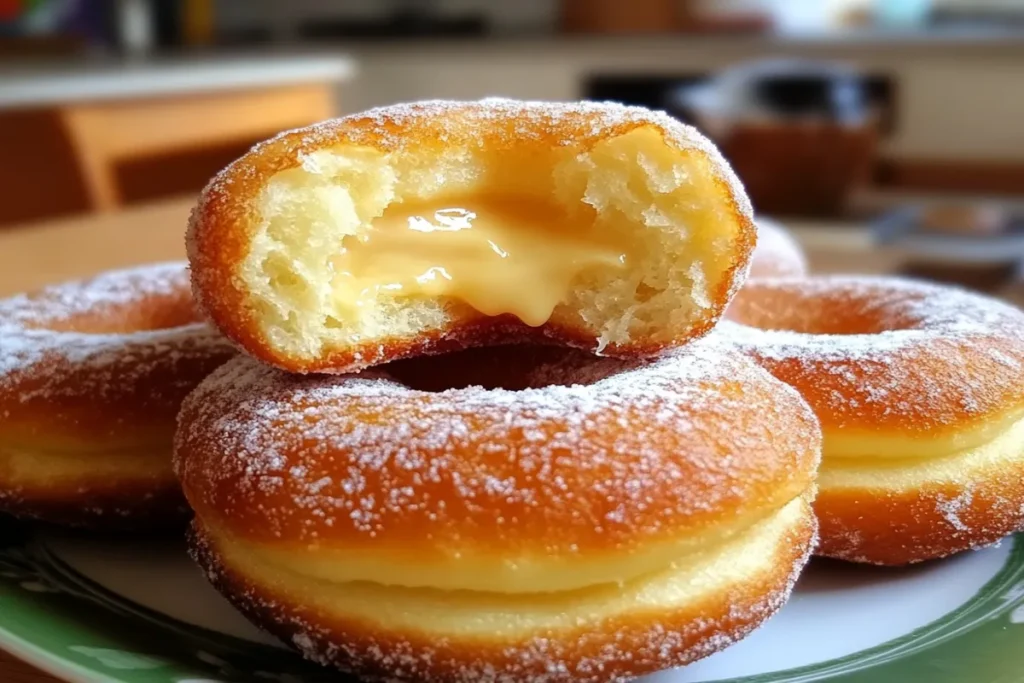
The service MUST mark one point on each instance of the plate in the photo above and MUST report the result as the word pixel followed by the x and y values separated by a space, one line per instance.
pixel 900 231
pixel 93 610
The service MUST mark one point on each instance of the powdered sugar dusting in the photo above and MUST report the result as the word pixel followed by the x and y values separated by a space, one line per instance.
pixel 930 521
pixel 777 254
pixel 385 128
pixel 926 352
pixel 73 366
pixel 38 330
pixel 668 442
pixel 950 508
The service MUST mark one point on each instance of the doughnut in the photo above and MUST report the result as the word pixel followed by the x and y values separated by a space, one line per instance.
pixel 602 519
pixel 92 374
pixel 777 253
pixel 920 392
pixel 436 226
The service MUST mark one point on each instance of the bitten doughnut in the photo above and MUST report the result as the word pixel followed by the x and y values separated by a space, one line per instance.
pixel 429 227
pixel 777 253
pixel 91 377
pixel 920 393
pixel 563 531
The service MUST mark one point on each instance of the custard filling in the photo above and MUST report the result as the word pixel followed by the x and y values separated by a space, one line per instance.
pixel 905 473
pixel 38 467
pixel 854 445
pixel 464 569
pixel 319 224
pixel 499 255
pixel 743 559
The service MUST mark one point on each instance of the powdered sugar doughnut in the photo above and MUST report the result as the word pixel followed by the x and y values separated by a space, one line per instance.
pixel 777 253
pixel 91 377
pixel 435 226
pixel 920 393
pixel 557 531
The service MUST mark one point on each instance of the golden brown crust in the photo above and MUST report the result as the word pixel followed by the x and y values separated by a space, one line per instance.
pixel 224 221
pixel 906 525
pixel 616 649
pixel 874 355
pixel 643 453
pixel 892 365
pixel 113 506
pixel 95 371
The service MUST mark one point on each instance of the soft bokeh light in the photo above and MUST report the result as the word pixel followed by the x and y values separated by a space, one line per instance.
pixel 889 124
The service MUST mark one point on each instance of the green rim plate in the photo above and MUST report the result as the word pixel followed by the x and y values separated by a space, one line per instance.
pixel 66 623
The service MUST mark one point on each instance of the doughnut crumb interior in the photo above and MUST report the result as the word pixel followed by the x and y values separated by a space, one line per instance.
pixel 369 238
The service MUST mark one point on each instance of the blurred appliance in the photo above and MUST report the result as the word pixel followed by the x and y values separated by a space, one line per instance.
pixel 801 135
pixel 141 26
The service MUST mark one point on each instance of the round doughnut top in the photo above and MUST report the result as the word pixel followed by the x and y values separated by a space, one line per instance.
pixel 871 352
pixel 494 123
pixel 777 253
pixel 95 337
pixel 643 452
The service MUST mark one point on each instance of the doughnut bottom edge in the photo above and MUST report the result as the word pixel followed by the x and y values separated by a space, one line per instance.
pixel 122 491
pixel 126 510
pixel 903 512
pixel 655 622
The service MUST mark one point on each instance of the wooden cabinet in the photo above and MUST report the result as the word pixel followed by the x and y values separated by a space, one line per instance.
pixel 67 137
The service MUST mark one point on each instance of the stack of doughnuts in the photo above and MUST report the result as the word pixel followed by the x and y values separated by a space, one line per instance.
pixel 517 398
pixel 479 432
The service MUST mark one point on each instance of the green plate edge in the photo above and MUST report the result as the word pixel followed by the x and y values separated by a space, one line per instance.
pixel 66 624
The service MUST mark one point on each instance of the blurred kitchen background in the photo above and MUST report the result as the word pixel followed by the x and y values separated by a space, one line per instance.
pixel 888 134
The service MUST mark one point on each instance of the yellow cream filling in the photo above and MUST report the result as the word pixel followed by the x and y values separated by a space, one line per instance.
pixel 635 193
pixel 507 575
pixel 742 560
pixel 497 254
pixel 850 444
pixel 36 467
pixel 894 473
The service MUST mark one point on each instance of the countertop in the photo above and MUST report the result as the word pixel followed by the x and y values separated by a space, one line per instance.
pixel 60 81
pixel 35 255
